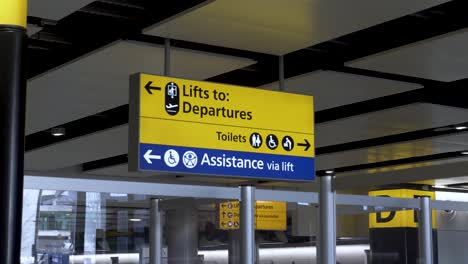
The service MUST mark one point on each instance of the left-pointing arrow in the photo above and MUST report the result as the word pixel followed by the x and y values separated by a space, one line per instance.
pixel 148 87
pixel 148 157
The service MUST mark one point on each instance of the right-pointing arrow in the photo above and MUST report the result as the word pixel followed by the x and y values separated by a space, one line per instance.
pixel 306 145
pixel 148 157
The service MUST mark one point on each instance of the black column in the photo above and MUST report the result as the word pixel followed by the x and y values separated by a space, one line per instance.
pixel 12 122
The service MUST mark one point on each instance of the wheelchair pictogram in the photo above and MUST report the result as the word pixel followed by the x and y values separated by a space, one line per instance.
pixel 272 141
pixel 171 158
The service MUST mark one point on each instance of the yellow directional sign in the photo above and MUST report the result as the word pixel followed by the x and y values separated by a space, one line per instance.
pixel 268 215
pixel 229 215
pixel 187 126
pixel 399 218
pixel 210 136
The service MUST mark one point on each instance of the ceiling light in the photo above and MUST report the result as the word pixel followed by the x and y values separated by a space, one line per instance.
pixel 329 171
pixel 461 127
pixel 134 219
pixel 464 152
pixel 302 203
pixel 441 129
pixel 118 195
pixel 58 131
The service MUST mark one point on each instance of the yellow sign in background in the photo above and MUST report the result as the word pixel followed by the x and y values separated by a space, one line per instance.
pixel 401 218
pixel 268 215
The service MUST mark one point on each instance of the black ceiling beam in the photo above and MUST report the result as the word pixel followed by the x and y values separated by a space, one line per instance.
pixel 397 162
pixel 80 29
pixel 428 23
pixel 369 106
pixel 360 144
pixel 394 139
pixel 122 159
pixel 453 95
pixel 335 53
pixel 387 76
pixel 119 116
pixel 104 163
pixel 405 30
pixel 32 20
pixel 84 126
pixel 99 24
pixel 201 47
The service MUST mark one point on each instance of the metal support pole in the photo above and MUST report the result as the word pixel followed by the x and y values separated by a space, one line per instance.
pixel 281 73
pixel 12 119
pixel 425 231
pixel 234 246
pixel 155 233
pixel 317 235
pixel 327 236
pixel 247 224
pixel 182 234
pixel 167 57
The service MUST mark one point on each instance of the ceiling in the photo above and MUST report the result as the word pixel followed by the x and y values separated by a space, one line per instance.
pixel 99 81
pixel 388 79
pixel 287 26
pixel 442 58
pixel 54 9
pixel 341 88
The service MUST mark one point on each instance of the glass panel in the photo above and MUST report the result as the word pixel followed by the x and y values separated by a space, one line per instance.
pixel 352 234
pixel 295 243
pixel 377 234
pixel 451 237
pixel 77 227
pixel 85 227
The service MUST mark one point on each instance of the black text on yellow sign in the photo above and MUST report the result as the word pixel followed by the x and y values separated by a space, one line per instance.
pixel 221 116
pixel 268 215
pixel 222 104
pixel 400 218
pixel 196 127
pixel 211 136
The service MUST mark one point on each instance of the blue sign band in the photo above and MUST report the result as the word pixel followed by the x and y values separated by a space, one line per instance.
pixel 225 163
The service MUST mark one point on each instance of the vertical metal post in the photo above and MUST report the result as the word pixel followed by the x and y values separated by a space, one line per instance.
pixel 36 234
pixel 155 233
pixel 327 236
pixel 12 119
pixel 317 236
pixel 425 231
pixel 281 73
pixel 167 57
pixel 156 214
pixel 182 235
pixel 234 246
pixel 247 224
